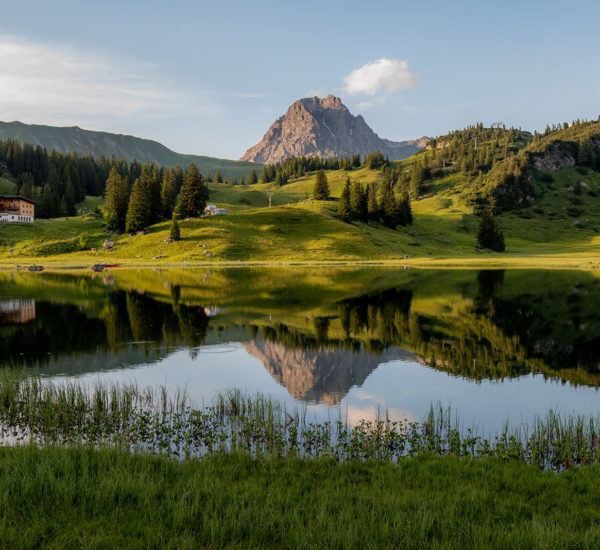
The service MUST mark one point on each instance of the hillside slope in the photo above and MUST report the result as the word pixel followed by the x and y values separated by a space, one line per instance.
pixel 75 139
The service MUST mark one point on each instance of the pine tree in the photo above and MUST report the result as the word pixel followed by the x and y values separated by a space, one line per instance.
pixel 168 194
pixel 26 183
pixel 138 211
pixel 175 233
pixel 153 187
pixel 416 180
pixel 490 234
pixel 372 204
pixel 116 201
pixel 251 179
pixel 358 202
pixel 69 198
pixel 584 156
pixel 344 208
pixel 218 177
pixel 406 217
pixel 48 207
pixel 321 187
pixel 193 194
pixel 390 209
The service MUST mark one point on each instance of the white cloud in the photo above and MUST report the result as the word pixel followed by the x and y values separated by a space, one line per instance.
pixel 58 85
pixel 387 75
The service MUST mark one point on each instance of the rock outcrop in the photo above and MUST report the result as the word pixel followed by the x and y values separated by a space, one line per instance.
pixel 553 159
pixel 324 127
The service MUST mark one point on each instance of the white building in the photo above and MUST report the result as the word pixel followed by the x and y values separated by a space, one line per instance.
pixel 15 209
pixel 212 210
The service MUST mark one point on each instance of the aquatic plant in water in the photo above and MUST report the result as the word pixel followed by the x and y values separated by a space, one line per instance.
pixel 143 420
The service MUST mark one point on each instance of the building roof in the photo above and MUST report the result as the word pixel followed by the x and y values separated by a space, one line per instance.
pixel 17 197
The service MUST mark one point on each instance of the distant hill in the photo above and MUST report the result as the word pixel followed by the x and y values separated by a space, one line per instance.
pixel 75 139
pixel 325 128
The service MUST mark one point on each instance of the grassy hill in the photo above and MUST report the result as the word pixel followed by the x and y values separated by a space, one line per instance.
pixel 559 224
pixel 69 139
pixel 561 228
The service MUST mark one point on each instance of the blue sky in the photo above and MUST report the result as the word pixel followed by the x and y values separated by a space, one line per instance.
pixel 210 77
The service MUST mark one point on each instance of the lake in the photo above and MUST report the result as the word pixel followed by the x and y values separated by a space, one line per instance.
pixel 492 345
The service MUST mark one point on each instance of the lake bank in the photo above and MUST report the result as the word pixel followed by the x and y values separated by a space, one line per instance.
pixel 496 261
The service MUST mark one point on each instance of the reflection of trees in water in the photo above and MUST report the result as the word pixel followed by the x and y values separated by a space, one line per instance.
pixel 503 326
pixel 56 330
pixel 61 329
pixel 116 320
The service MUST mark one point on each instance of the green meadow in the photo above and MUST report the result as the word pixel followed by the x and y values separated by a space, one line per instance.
pixel 560 230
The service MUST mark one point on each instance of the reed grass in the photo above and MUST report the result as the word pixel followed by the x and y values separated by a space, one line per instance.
pixel 142 420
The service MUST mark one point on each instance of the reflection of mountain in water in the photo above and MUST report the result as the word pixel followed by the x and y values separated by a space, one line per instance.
pixel 324 375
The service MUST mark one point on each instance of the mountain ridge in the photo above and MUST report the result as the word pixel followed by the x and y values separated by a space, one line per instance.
pixel 68 139
pixel 324 127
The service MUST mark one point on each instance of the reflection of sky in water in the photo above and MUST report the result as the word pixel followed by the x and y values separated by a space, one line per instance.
pixel 404 388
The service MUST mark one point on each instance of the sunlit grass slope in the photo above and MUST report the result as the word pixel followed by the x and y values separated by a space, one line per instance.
pixel 561 227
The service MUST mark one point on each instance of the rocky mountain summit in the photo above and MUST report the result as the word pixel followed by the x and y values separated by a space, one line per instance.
pixel 324 127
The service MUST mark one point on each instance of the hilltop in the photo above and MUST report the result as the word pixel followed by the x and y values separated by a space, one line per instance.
pixel 324 127
pixel 105 144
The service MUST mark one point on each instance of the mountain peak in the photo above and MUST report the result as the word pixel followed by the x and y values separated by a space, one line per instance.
pixel 324 127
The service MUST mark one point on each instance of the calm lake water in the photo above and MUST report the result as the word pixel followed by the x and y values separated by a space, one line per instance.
pixel 492 345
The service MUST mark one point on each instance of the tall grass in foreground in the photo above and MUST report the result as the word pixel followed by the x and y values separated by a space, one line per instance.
pixel 132 419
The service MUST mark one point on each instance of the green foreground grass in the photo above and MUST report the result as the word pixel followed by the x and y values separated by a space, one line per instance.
pixel 84 498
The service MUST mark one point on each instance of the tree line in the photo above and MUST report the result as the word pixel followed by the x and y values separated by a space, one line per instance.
pixel 371 203
pixel 155 195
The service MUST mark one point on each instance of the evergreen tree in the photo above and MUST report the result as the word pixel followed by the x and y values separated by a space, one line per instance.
pixel 168 194
pixel 48 207
pixel 416 179
pixel 279 179
pixel 490 234
pixel 218 177
pixel 138 211
pixel 344 208
pixel 372 204
pixel 358 202
pixel 264 175
pixel 406 217
pixel 321 187
pixel 193 195
pixel 153 187
pixel 390 209
pixel 251 179
pixel 584 156
pixel 69 198
pixel 26 183
pixel 116 201
pixel 175 233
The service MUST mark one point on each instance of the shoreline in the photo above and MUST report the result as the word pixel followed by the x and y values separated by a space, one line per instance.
pixel 510 262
